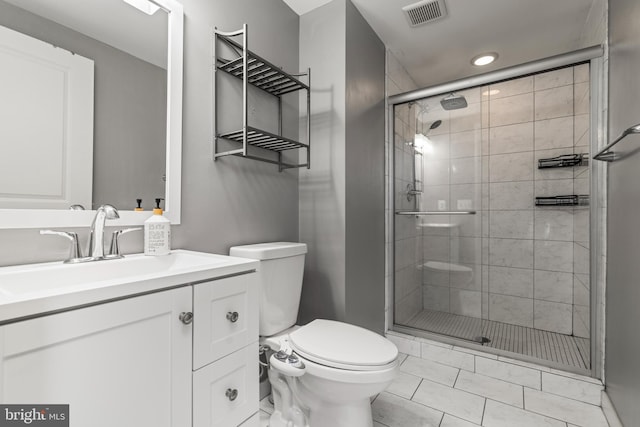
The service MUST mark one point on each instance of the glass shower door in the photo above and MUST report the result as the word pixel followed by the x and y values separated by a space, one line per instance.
pixel 438 211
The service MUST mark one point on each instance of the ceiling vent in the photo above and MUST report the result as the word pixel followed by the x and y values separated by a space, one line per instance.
pixel 425 11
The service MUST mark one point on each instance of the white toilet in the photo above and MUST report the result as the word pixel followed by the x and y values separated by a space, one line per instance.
pixel 323 374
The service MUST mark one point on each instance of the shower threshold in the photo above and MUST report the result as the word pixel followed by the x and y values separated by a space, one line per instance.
pixel 554 347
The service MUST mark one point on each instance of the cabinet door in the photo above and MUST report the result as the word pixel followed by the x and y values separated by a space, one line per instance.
pixel 225 393
pixel 125 363
pixel 225 317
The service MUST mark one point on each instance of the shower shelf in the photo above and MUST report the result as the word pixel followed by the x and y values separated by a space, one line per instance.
pixel 253 70
pixel 439 266
pixel 568 200
pixel 564 161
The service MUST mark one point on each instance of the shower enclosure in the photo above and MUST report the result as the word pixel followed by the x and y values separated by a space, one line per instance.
pixel 491 221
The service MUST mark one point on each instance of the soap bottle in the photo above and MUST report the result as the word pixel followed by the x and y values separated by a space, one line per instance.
pixel 139 208
pixel 157 233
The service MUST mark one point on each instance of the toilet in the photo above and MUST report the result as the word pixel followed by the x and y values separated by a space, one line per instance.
pixel 322 374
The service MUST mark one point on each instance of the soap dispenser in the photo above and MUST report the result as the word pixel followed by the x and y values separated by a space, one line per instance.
pixel 157 233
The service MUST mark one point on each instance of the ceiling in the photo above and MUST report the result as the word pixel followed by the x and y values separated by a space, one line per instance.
pixel 441 51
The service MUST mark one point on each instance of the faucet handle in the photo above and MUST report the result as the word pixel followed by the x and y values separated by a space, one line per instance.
pixel 114 251
pixel 75 254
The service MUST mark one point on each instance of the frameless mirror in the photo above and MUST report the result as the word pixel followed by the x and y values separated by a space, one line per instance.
pixel 130 145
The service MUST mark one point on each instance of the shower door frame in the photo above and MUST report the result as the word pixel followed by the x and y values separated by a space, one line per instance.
pixel 597 208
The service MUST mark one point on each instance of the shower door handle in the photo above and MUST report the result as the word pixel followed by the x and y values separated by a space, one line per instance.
pixel 436 213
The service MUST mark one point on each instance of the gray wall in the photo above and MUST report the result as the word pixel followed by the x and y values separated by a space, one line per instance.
pixel 322 188
pixel 622 369
pixel 365 98
pixel 129 112
pixel 342 196
pixel 232 201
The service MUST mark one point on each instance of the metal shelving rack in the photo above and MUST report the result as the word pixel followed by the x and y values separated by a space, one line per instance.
pixel 253 70
pixel 564 161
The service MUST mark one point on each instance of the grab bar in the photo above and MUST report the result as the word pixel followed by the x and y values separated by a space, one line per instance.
pixel 609 156
pixel 436 213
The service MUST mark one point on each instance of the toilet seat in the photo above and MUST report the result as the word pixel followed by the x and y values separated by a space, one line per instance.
pixel 343 346
pixel 384 373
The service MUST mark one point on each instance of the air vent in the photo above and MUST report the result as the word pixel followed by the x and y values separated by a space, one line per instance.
pixel 425 11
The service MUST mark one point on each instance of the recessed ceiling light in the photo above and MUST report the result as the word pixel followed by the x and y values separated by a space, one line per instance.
pixel 484 59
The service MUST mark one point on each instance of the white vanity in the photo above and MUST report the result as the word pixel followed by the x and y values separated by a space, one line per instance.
pixel 141 341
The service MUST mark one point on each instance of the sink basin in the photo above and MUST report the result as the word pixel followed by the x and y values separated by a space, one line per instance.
pixel 37 288
pixel 42 277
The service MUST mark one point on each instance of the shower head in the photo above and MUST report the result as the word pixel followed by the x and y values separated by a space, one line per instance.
pixel 453 102
pixel 435 124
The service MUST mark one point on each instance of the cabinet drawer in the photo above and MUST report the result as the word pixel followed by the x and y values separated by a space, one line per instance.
pixel 225 317
pixel 225 393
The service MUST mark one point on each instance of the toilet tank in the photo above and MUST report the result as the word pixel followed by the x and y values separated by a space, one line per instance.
pixel 280 277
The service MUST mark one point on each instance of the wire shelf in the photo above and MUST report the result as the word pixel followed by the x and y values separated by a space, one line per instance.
pixel 236 60
pixel 263 139
pixel 566 200
pixel 261 73
pixel 564 161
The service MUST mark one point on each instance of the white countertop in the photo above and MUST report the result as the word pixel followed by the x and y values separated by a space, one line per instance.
pixel 37 289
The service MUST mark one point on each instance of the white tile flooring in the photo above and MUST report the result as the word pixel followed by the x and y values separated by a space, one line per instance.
pixel 554 347
pixel 444 386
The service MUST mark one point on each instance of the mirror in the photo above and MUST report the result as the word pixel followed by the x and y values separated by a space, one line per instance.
pixel 155 41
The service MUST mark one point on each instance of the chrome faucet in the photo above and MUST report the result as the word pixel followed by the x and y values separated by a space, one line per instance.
pixel 96 238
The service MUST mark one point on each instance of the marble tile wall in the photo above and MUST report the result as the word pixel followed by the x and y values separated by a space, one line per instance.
pixel 538 262
pixel 453 173
pixel 406 242
pixel 523 264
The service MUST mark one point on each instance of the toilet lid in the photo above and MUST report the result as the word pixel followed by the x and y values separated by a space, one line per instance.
pixel 341 345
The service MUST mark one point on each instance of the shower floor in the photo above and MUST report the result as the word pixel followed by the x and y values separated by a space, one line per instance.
pixel 551 346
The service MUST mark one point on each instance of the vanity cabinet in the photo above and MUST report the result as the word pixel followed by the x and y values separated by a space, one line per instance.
pixel 225 351
pixel 124 363
pixel 140 362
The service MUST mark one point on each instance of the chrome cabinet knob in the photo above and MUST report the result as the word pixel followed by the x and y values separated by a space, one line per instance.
pixel 186 317
pixel 232 316
pixel 231 394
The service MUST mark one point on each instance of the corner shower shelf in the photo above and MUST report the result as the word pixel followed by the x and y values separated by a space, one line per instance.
pixel 253 70
pixel 564 161
pixel 568 200
pixel 445 267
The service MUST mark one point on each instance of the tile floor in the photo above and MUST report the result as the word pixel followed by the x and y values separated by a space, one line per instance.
pixel 445 386
pixel 554 347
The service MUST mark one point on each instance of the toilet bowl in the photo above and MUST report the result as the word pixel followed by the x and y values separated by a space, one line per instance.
pixel 324 373
pixel 341 367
